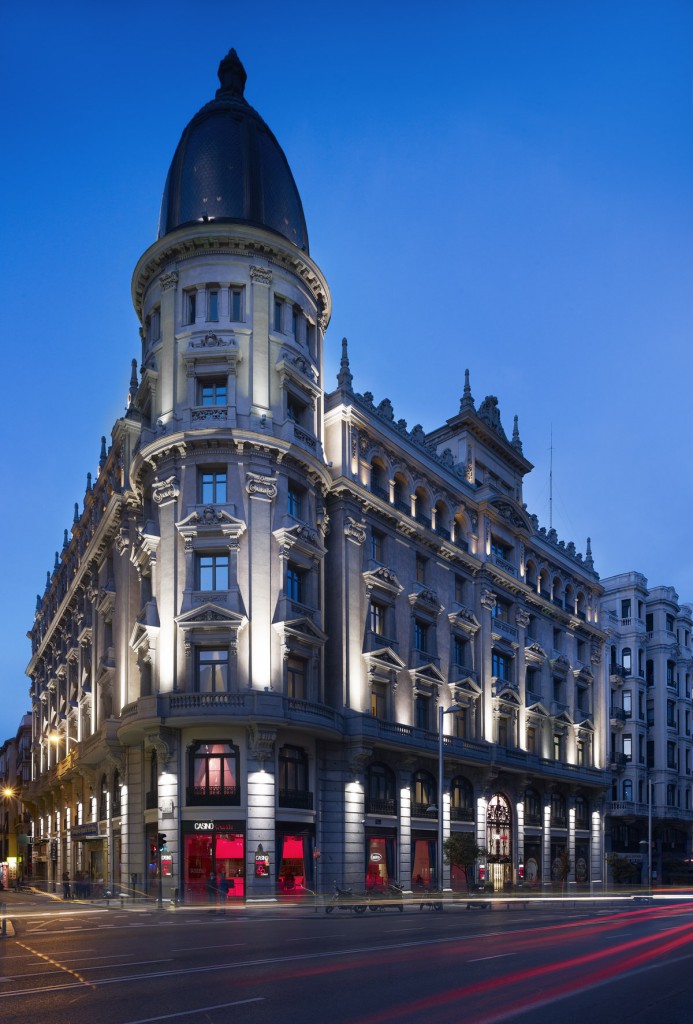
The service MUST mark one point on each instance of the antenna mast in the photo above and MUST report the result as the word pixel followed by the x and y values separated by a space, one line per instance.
pixel 551 481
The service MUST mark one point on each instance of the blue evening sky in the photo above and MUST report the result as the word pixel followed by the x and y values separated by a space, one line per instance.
pixel 504 185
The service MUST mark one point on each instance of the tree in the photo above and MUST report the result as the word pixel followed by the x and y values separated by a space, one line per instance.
pixel 461 851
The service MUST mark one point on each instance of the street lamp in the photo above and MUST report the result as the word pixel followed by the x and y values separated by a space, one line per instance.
pixel 441 712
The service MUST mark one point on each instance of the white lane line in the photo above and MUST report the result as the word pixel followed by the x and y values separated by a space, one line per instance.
pixel 225 945
pixel 201 1009
pixel 95 967
pixel 498 956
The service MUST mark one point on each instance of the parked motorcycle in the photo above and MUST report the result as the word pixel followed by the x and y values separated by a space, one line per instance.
pixel 344 899
pixel 432 899
pixel 386 899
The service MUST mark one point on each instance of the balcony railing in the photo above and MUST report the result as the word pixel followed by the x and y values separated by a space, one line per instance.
pixel 298 799
pixel 462 814
pixel 213 796
pixel 422 811
pixel 506 628
pixel 617 715
pixel 380 492
pixel 423 520
pixel 442 532
pixel 504 564
pixel 381 806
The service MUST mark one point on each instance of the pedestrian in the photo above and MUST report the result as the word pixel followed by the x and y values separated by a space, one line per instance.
pixel 212 891
pixel 67 890
pixel 224 885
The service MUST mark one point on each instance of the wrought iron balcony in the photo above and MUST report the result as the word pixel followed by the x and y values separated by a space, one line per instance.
pixel 381 806
pixel 213 796
pixel 298 799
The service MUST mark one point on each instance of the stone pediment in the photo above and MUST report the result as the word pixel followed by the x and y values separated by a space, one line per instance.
pixel 429 673
pixel 564 718
pixel 506 690
pixel 512 513
pixel 382 578
pixel 465 620
pixel 300 537
pixel 468 685
pixel 535 654
pixel 385 658
pixel 538 709
pixel 426 600
pixel 583 674
pixel 559 663
pixel 207 520
pixel 301 629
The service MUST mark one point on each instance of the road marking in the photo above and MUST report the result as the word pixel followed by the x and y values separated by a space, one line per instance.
pixel 50 960
pixel 201 1009
pixel 498 956
pixel 225 945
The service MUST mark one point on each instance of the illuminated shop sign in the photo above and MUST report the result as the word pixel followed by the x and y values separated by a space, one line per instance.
pixel 203 826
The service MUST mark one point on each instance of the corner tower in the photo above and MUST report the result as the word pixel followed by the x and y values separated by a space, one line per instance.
pixel 229 462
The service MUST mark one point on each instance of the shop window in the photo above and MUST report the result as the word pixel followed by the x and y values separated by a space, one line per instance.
pixel 293 778
pixel 423 794
pixel 380 790
pixel 212 670
pixel 213 773
pixel 295 864
pixel 381 861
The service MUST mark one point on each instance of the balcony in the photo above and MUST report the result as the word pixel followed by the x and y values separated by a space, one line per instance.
pixel 420 658
pixel 422 811
pixel 462 814
pixel 402 506
pixel 617 762
pixel 617 715
pixel 442 532
pixel 297 799
pixel 423 520
pixel 386 807
pixel 504 564
pixel 380 492
pixel 213 796
pixel 504 628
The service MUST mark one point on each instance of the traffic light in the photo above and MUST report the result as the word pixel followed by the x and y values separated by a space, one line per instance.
pixel 162 841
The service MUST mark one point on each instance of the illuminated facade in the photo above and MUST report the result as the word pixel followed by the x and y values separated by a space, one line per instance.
pixel 271 589
pixel 650 673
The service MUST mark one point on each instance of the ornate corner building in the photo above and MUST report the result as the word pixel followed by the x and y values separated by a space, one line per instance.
pixel 271 591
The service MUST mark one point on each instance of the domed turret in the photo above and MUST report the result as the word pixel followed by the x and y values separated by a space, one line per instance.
pixel 228 166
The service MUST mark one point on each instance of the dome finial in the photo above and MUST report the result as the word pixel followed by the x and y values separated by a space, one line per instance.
pixel 232 75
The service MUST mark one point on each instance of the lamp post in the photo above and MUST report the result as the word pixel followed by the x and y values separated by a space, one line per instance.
pixel 441 713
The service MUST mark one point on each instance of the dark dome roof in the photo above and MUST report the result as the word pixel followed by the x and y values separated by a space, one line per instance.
pixel 229 166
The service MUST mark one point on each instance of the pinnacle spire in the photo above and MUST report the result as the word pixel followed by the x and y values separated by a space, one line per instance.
pixel 516 442
pixel 345 376
pixel 466 402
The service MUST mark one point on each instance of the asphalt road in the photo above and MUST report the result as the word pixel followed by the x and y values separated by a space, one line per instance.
pixel 72 963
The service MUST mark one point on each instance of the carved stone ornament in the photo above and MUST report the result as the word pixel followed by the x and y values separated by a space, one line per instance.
pixel 522 618
pixel 258 486
pixel 211 341
pixel 355 531
pixel 261 275
pixel 165 490
pixel 488 599
pixel 168 281
pixel 261 742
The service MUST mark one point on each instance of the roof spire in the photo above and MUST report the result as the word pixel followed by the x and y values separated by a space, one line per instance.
pixel 516 442
pixel 345 376
pixel 589 561
pixel 232 75
pixel 103 456
pixel 75 518
pixel 132 390
pixel 466 402
pixel 65 540
pixel 56 564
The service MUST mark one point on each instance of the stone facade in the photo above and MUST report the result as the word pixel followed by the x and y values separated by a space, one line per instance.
pixel 649 667
pixel 270 593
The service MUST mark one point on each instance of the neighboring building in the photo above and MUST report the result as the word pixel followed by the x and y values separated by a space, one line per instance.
pixel 650 673
pixel 270 591
pixel 15 774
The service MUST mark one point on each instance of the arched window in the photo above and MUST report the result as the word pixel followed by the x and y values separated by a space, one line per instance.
pixel 461 799
pixel 381 792
pixel 559 817
pixel 294 788
pixel 423 507
pixel 379 481
pixel 423 793
pixel 213 773
pixel 532 807
pixel 442 520
pixel 402 500
pixel 115 798
pixel 103 798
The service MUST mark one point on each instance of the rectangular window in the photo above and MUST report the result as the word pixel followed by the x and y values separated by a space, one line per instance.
pixel 295 321
pixel 212 392
pixel 190 299
pixel 671 755
pixel 212 304
pixel 459 589
pixel 278 315
pixel 628 747
pixel 421 635
pixel 213 486
pixel 670 623
pixel 459 648
pixel 213 572
pixel 641 750
pixel 295 583
pixel 502 732
pixel 421 711
pixel 625 608
pixel 501 610
pixel 671 714
pixel 296 410
pixel 627 703
pixel 500 666
pixel 236 305
pixel 296 678
pixel 294 502
pixel 155 325
pixel 377 617
pixel 377 546
pixel 531 739
pixel 557 746
pixel 649 622
pixel 420 569
pixel 499 549
pixel 641 705
pixel 378 701
pixel 212 670
pixel 580 752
